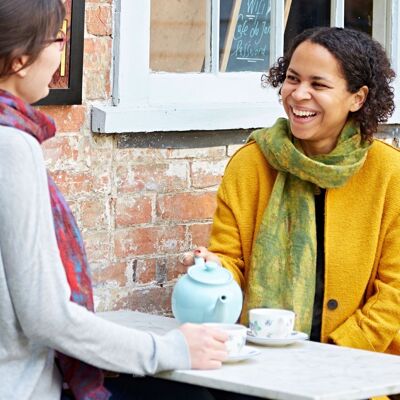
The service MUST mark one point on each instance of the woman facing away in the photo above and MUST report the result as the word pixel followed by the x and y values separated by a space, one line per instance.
pixel 49 334
pixel 308 211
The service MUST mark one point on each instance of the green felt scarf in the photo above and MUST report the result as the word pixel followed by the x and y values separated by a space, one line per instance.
pixel 282 274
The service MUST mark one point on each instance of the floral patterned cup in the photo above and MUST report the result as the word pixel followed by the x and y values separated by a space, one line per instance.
pixel 271 323
pixel 236 336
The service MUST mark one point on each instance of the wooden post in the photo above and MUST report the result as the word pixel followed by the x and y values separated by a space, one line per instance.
pixel 288 4
pixel 230 34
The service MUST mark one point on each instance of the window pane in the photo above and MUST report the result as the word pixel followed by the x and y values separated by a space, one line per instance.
pixel 244 35
pixel 178 35
pixel 358 15
pixel 303 14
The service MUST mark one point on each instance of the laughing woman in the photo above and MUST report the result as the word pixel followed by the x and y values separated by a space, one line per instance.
pixel 308 212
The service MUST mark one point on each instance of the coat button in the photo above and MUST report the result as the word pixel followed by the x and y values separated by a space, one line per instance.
pixel 332 304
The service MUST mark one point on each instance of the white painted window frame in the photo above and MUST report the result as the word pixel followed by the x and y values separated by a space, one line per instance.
pixel 145 101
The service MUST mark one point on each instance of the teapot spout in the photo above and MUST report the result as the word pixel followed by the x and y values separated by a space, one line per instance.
pixel 219 312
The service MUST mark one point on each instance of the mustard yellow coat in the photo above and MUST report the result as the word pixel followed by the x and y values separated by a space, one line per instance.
pixel 362 243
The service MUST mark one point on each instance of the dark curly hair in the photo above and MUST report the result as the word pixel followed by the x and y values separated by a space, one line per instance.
pixel 363 61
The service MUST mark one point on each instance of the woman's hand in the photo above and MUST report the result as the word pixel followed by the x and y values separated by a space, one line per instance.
pixel 188 258
pixel 206 346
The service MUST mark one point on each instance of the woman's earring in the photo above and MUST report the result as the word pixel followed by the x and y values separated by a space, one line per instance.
pixel 280 95
pixel 264 81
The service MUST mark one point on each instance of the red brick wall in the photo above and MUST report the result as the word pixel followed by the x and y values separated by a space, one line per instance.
pixel 138 209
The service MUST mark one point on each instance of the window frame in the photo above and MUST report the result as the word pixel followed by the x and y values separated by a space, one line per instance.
pixel 145 101
pixel 73 93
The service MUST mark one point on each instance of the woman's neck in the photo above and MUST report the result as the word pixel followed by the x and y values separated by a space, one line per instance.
pixel 311 148
pixel 8 84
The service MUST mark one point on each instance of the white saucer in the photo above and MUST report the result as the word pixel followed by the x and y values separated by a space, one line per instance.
pixel 246 353
pixel 293 338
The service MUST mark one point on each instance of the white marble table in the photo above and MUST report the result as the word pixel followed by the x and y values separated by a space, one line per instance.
pixel 303 371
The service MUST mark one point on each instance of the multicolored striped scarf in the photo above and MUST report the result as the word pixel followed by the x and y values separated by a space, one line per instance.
pixel 85 381
pixel 282 273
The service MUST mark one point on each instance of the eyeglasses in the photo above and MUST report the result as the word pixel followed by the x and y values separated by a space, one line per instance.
pixel 61 39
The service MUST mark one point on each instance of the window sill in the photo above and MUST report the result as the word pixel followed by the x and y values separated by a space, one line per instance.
pixel 123 119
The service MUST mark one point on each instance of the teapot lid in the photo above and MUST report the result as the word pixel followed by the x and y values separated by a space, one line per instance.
pixel 209 272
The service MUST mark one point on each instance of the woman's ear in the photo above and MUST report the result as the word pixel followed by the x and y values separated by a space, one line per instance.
pixel 359 98
pixel 18 66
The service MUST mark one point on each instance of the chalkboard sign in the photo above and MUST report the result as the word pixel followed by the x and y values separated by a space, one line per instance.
pixel 247 40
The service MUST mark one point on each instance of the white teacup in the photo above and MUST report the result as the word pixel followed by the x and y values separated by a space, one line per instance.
pixel 271 323
pixel 236 336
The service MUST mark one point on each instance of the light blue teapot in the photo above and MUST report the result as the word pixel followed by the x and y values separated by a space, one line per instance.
pixel 207 293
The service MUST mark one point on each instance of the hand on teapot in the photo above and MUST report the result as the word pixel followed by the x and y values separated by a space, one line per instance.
pixel 201 251
pixel 207 292
pixel 206 345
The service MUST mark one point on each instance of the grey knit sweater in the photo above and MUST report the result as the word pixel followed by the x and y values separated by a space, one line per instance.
pixel 36 315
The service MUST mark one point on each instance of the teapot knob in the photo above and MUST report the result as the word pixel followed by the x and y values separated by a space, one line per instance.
pixel 199 261
pixel 210 265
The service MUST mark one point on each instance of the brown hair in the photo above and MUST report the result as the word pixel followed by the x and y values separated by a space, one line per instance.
pixel 24 28
pixel 363 62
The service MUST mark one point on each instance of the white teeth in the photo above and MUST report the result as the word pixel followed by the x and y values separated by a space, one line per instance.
pixel 300 113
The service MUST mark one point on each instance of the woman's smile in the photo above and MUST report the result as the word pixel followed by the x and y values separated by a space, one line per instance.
pixel 301 115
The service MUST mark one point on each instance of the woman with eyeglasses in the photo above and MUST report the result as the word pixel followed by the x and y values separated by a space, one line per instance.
pixel 50 338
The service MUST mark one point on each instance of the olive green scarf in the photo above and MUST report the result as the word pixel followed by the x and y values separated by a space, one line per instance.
pixel 282 274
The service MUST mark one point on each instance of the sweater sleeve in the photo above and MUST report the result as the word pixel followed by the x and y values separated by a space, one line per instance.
pixel 225 238
pixel 37 282
pixel 241 201
pixel 374 326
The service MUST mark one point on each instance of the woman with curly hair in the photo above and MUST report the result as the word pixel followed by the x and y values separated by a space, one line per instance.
pixel 308 212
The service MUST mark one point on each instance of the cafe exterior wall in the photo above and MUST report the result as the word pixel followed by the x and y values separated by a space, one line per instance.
pixel 139 208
